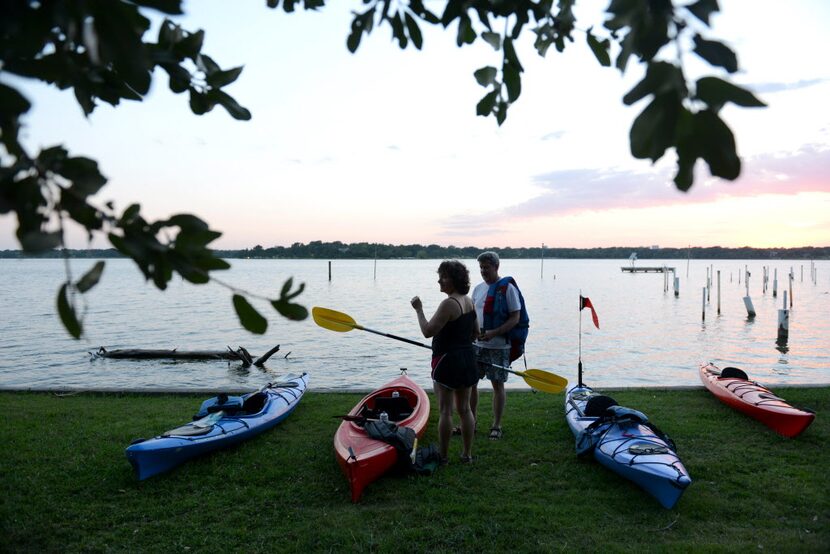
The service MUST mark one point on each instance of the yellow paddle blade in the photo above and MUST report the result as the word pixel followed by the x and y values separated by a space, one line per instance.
pixel 332 320
pixel 544 381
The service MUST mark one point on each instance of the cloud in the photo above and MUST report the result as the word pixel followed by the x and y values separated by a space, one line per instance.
pixel 572 191
pixel 554 135
pixel 779 87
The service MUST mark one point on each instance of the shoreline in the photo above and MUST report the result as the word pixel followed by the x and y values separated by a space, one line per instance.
pixel 327 390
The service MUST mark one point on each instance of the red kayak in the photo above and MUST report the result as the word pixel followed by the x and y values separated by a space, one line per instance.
pixel 364 459
pixel 733 387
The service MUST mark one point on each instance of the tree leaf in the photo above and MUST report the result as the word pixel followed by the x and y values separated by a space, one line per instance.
pixel 510 54
pixel 190 47
pixel 67 313
pixel 660 78
pixel 170 7
pixel 501 111
pixel 414 31
pixel 219 79
pixel 84 174
pixel 187 222
pixel 37 240
pixel 231 106
pixel 466 33
pixel 248 316
pixel 653 131
pixel 716 53
pixel 285 293
pixel 198 102
pixel 702 9
pixel 600 49
pixel 512 80
pixel 718 145
pixel 295 312
pixel 717 92
pixel 493 39
pixel 487 103
pixel 486 76
pixel 12 102
pixel 91 278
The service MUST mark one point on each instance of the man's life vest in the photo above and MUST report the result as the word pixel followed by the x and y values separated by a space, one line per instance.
pixel 495 314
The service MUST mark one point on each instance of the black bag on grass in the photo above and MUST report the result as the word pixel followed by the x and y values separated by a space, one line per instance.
pixel 403 439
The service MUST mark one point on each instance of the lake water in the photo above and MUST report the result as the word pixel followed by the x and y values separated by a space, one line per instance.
pixel 648 337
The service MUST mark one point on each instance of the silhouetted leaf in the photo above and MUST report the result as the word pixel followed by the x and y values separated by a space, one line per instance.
pixel 37 240
pixel 286 294
pixel 718 145
pixel 466 33
pixel 91 278
pixel 702 9
pixel 487 103
pixel 716 53
pixel 501 111
pixel 717 92
pixel 510 55
pixel 12 102
pixel 67 313
pixel 198 102
pixel 231 106
pixel 170 7
pixel 190 47
pixel 84 174
pixel 660 78
pixel 653 131
pixel 513 81
pixel 486 76
pixel 187 222
pixel 221 78
pixel 248 316
pixel 493 39
pixel 414 32
pixel 600 49
pixel 295 312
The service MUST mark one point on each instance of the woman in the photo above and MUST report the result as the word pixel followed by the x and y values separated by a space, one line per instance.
pixel 454 370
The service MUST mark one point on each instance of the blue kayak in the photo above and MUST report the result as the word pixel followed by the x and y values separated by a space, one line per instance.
pixel 624 441
pixel 222 421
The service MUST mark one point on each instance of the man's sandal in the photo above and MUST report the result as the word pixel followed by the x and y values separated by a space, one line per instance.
pixel 495 433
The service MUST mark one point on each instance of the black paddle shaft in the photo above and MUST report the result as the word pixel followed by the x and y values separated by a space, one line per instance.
pixel 422 345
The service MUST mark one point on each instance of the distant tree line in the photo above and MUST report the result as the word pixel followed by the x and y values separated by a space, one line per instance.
pixel 366 250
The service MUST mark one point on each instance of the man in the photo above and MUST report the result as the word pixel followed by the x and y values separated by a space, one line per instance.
pixel 499 307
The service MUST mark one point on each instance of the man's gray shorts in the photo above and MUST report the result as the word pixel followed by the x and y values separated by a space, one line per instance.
pixel 497 356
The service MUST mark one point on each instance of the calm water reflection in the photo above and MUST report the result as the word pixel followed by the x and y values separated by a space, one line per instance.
pixel 647 336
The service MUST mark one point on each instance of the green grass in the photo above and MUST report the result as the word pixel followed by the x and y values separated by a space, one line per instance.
pixel 66 485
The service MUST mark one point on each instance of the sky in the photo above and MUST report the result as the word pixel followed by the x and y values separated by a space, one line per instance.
pixel 384 145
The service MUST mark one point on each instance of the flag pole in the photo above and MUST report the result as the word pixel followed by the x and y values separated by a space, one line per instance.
pixel 579 366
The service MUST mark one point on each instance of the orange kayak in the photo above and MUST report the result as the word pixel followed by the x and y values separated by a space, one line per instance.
pixel 364 459
pixel 733 388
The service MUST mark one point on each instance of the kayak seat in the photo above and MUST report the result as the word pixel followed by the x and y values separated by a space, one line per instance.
pixel 733 373
pixel 254 403
pixel 223 402
pixel 598 404
pixel 397 407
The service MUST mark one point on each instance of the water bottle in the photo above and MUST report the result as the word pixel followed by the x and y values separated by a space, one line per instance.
pixel 384 417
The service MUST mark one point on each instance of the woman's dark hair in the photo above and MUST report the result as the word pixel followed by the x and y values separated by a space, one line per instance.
pixel 458 274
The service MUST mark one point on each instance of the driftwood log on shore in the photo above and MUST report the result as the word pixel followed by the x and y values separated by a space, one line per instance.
pixel 240 354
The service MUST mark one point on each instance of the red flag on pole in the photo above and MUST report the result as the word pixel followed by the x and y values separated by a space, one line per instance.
pixel 585 302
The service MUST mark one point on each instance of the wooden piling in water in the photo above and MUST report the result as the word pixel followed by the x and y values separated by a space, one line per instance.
pixel 783 323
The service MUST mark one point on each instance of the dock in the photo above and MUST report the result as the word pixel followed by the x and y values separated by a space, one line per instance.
pixel 660 269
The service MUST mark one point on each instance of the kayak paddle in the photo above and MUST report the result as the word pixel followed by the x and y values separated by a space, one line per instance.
pixel 333 320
